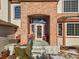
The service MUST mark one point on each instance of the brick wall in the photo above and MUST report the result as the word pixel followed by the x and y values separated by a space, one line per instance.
pixel 46 8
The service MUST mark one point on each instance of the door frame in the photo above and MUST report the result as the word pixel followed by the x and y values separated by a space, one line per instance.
pixel 35 30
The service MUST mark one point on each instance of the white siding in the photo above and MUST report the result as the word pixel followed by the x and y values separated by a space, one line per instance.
pixel 60 39
pixel 13 20
pixel 72 41
pixel 60 6
pixel 4 10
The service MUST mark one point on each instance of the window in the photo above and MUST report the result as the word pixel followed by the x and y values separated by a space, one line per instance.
pixel 70 5
pixel 73 29
pixel 17 12
pixel 60 29
pixel 33 28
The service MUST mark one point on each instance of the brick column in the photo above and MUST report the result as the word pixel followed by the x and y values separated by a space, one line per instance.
pixel 53 30
pixel 64 35
pixel 24 31
pixel 24 25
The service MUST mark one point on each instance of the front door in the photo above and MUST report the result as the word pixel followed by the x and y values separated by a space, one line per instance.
pixel 38 30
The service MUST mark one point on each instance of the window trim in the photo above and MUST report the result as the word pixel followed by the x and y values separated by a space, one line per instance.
pixel 58 30
pixel 70 12
pixel 66 29
pixel 15 11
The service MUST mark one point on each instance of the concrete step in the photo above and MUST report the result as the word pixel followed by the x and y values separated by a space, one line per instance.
pixel 38 47
pixel 40 43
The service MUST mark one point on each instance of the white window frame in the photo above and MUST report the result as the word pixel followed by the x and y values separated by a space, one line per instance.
pixel 35 31
pixel 58 30
pixel 70 12
pixel 13 11
pixel 66 29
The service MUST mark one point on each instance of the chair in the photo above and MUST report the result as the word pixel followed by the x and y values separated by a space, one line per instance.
pixel 22 53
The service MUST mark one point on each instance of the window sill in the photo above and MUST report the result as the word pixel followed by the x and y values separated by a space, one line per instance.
pixel 70 12
pixel 69 36
pixel 17 18
pixel 73 36
pixel 59 36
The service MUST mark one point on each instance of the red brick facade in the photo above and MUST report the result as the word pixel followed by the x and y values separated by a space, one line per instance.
pixel 44 8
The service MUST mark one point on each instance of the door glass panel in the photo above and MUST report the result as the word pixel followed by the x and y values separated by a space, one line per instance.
pixel 39 32
pixel 33 28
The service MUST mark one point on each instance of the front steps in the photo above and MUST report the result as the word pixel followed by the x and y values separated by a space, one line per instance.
pixel 40 43
pixel 42 47
pixel 38 47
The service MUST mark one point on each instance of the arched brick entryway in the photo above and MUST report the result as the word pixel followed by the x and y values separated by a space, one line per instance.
pixel 42 21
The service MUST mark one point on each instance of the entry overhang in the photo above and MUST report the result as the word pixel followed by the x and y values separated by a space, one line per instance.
pixel 68 19
pixel 39 0
pixel 18 1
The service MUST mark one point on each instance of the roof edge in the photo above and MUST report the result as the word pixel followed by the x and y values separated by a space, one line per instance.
pixel 7 24
pixel 38 0
pixel 17 1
